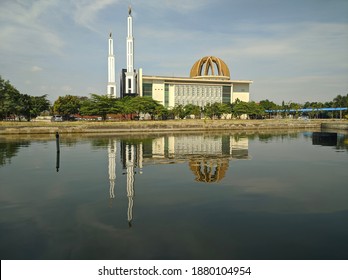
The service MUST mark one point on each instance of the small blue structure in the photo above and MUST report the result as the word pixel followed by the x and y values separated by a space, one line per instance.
pixel 306 110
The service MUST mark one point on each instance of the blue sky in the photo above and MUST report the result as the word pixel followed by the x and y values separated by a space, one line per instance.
pixel 293 50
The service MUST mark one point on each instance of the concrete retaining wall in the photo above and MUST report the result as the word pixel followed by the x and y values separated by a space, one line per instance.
pixel 334 125
pixel 157 126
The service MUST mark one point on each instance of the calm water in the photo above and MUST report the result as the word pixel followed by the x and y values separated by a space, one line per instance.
pixel 187 196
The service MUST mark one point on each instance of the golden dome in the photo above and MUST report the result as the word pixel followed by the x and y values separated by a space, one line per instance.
pixel 210 66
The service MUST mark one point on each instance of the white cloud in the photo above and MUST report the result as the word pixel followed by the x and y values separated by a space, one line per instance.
pixel 86 11
pixel 36 69
pixel 22 26
pixel 66 89
pixel 181 6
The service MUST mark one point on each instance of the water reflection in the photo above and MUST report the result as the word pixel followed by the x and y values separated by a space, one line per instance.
pixel 175 197
pixel 207 156
pixel 57 161
pixel 9 149
pixel 333 139
pixel 324 138
pixel 112 166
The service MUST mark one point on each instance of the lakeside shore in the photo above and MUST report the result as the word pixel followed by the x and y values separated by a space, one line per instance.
pixel 122 127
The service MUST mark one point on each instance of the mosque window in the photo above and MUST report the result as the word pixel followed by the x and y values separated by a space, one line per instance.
pixel 166 95
pixel 147 89
pixel 226 94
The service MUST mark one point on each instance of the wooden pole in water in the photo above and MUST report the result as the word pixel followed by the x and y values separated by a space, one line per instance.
pixel 57 141
pixel 58 151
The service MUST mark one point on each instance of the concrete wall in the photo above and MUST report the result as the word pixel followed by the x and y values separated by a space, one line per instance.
pixel 240 87
pixel 171 96
pixel 242 96
pixel 158 91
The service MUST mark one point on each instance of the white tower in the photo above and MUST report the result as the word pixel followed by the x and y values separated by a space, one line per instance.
pixel 130 86
pixel 111 88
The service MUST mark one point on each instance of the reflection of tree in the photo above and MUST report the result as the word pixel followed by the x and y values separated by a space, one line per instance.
pixel 265 137
pixel 9 150
pixel 100 143
pixel 209 170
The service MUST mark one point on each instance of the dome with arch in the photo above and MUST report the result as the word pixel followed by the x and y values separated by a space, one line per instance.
pixel 210 67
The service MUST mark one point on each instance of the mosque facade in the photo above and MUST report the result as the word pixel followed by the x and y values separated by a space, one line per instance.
pixel 209 81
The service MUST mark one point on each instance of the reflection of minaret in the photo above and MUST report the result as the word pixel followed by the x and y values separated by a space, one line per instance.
pixel 140 158
pixel 112 166
pixel 130 87
pixel 130 180
pixel 111 88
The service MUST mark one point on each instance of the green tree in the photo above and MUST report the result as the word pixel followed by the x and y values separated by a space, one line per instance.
pixel 33 106
pixel 191 109
pixel 239 108
pixel 221 109
pixel 340 102
pixel 101 105
pixel 296 107
pixel 179 111
pixel 160 112
pixel 9 99
pixel 254 110
pixel 145 105
pixel 67 105
pixel 268 105
pixel 39 104
pixel 216 110
pixel 25 106
pixel 251 109
pixel 126 106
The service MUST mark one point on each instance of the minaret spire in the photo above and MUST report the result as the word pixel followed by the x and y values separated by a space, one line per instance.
pixel 111 87
pixel 130 79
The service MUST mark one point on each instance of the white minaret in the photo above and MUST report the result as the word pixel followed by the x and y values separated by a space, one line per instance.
pixel 111 88
pixel 130 86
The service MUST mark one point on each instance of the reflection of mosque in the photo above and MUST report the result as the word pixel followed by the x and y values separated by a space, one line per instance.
pixel 208 158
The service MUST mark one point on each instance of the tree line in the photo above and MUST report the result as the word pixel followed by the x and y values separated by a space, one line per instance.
pixel 14 105
pixel 102 105
pixel 133 107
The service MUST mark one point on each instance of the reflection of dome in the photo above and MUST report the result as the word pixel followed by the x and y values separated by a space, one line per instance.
pixel 209 170
pixel 210 66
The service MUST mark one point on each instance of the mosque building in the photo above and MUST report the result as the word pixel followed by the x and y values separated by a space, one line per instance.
pixel 209 81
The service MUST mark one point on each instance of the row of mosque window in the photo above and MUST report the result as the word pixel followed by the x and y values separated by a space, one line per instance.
pixel 189 90
pixel 195 102
pixel 199 94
